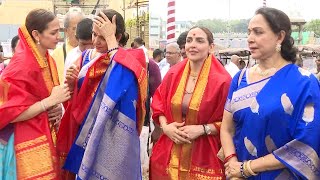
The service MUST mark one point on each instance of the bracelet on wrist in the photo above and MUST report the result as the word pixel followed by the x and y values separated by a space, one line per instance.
pixel 43 105
pixel 229 157
pixel 242 170
pixel 249 169
pixel 112 49
pixel 204 129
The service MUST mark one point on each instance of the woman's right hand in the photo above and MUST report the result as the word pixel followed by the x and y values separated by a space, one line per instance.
pixel 71 75
pixel 176 135
pixel 59 94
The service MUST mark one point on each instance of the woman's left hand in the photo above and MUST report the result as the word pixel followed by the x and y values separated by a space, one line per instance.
pixel 232 169
pixel 193 131
pixel 55 114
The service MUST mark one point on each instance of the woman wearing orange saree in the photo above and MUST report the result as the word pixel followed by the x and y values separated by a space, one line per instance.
pixel 188 105
pixel 30 98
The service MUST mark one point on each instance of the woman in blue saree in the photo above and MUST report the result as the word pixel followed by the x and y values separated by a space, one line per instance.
pixel 271 123
pixel 107 109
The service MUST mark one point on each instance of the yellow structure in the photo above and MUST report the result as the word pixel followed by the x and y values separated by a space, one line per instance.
pixel 15 11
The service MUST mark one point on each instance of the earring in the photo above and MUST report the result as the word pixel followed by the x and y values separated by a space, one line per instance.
pixel 278 47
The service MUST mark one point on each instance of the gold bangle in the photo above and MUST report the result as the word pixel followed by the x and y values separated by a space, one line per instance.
pixel 250 170
pixel 245 169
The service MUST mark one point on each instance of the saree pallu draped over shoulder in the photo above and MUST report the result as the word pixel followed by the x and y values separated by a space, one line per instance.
pixel 197 160
pixel 279 115
pixel 28 79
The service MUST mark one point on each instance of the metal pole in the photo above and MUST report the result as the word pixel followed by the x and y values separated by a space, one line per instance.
pixel 124 10
pixel 138 29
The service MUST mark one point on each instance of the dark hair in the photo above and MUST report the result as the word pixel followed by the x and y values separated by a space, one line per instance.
pixel 124 39
pixel 279 21
pixel 156 53
pixel 84 29
pixel 207 31
pixel 38 19
pixel 139 40
pixel 119 20
pixel 182 38
pixel 14 42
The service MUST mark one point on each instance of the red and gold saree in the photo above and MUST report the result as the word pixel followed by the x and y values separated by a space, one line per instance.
pixel 29 78
pixel 197 160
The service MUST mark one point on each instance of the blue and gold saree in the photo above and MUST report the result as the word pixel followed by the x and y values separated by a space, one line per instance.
pixel 107 145
pixel 278 115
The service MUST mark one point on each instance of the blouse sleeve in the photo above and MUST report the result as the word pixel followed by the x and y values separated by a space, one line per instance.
pixel 233 87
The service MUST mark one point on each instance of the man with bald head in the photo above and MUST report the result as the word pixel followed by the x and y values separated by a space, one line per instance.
pixel 233 66
pixel 71 19
pixel 173 56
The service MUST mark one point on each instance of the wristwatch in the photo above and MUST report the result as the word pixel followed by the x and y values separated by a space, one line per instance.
pixel 207 129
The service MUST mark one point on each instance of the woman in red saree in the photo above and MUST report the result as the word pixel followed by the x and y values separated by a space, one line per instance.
pixel 30 97
pixel 188 105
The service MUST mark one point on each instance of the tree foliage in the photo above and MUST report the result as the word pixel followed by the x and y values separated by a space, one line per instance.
pixel 313 25
pixel 220 26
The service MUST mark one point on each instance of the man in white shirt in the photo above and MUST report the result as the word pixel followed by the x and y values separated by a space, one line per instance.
pixel 84 36
pixel 233 66
pixel 173 56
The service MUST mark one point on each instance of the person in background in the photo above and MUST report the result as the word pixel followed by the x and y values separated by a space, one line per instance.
pixel 271 122
pixel 84 37
pixel 14 42
pixel 2 58
pixel 30 102
pixel 242 64
pixel 71 19
pixel 233 66
pixel 173 57
pixel 157 55
pixel 188 105
pixel 138 43
pixel 182 42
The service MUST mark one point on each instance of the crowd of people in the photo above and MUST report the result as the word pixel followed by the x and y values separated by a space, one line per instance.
pixel 86 110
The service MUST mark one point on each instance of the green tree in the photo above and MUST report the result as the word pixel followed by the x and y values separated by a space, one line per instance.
pixel 313 25
pixel 219 26
pixel 214 25
pixel 239 26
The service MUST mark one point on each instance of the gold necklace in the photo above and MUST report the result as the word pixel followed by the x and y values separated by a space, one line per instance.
pixel 265 72
pixel 194 76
